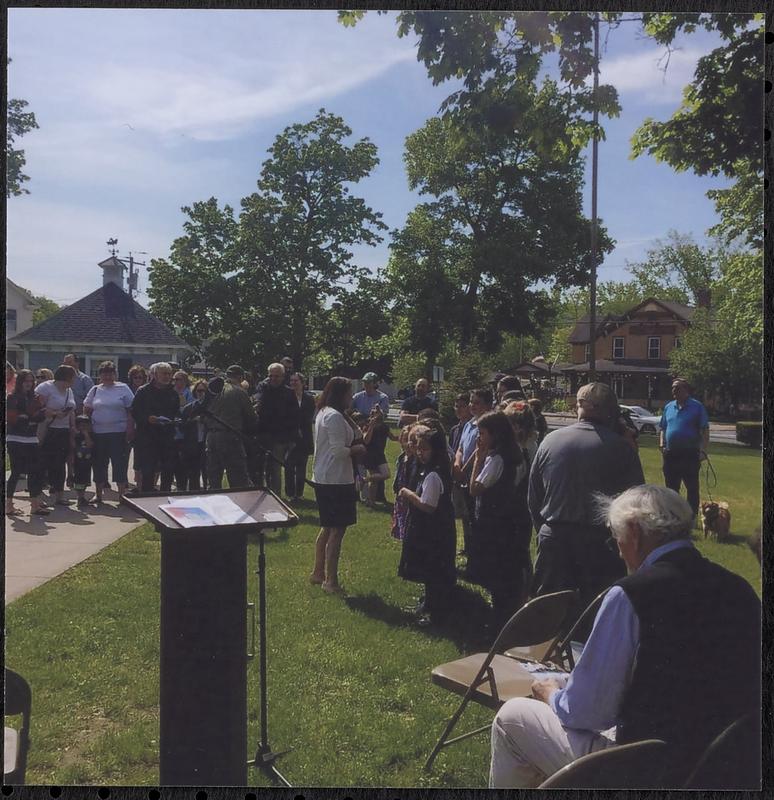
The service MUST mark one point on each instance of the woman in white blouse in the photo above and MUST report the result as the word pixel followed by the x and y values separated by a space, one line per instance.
pixel 59 406
pixel 108 405
pixel 336 442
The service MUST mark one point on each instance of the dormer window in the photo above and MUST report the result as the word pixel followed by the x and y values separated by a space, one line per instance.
pixel 618 346
pixel 654 347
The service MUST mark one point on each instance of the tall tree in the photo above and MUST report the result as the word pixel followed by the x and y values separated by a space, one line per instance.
pixel 510 195
pixel 676 269
pixel 718 124
pixel 343 334
pixel 19 123
pixel 269 272
pixel 427 260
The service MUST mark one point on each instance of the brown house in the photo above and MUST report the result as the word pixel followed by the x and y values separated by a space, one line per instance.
pixel 631 350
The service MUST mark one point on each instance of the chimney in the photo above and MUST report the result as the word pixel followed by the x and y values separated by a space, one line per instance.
pixel 704 298
pixel 113 272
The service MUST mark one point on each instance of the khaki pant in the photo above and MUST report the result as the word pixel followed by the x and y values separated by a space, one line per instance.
pixel 529 744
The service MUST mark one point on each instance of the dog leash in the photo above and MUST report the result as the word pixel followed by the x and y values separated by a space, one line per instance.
pixel 709 468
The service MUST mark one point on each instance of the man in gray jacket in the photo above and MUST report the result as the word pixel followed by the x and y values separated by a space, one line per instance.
pixel 571 465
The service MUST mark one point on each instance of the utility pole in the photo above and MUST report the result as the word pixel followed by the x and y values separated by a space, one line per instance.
pixel 594 159
pixel 132 273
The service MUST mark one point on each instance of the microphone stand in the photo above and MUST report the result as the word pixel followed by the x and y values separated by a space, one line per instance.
pixel 265 757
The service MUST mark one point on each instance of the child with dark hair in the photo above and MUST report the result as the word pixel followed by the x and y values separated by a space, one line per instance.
pixel 430 540
pixel 404 466
pixel 498 561
pixel 361 473
pixel 375 436
pixel 82 448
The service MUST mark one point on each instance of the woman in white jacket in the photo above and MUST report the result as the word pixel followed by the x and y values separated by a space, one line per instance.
pixel 336 442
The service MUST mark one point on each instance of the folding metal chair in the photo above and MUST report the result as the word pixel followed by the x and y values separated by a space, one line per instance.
pixel 492 678
pixel 639 765
pixel 18 701
pixel 562 650
pixel 732 762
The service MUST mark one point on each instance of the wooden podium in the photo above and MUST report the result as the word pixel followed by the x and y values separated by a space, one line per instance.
pixel 203 638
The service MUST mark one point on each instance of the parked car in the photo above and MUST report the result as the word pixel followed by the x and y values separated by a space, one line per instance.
pixel 643 420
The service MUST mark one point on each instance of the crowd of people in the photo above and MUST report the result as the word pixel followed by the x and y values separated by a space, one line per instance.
pixel 673 651
pixel 64 431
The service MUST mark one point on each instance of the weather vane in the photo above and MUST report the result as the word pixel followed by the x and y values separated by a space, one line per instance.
pixel 112 244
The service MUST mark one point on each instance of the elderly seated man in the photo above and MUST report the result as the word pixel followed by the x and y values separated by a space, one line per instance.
pixel 674 654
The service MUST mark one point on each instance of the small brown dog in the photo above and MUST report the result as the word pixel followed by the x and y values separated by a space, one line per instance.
pixel 715 520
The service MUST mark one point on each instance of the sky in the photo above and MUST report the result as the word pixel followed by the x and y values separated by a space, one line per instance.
pixel 143 111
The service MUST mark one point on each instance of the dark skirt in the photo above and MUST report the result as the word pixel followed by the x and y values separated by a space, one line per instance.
pixel 429 544
pixel 337 504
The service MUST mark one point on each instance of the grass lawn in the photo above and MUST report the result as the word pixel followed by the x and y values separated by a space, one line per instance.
pixel 349 684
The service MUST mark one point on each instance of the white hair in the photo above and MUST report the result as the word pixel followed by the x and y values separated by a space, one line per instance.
pixel 154 368
pixel 276 365
pixel 661 513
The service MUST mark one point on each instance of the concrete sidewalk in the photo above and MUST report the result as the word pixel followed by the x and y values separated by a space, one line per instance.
pixel 40 548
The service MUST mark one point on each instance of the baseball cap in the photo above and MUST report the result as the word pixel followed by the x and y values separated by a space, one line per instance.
pixel 601 396
pixel 370 377
pixel 235 369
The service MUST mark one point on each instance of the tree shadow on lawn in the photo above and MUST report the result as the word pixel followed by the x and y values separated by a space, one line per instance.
pixel 465 624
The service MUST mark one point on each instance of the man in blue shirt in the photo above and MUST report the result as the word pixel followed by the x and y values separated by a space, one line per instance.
pixel 480 403
pixel 683 441
pixel 674 654
pixel 365 400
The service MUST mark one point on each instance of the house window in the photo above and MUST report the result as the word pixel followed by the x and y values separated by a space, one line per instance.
pixel 654 347
pixel 678 342
pixel 10 321
pixel 587 353
pixel 618 347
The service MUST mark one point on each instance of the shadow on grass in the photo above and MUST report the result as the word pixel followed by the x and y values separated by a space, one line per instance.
pixel 465 624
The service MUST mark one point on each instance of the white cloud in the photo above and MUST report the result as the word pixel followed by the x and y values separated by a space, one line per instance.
pixel 644 74
pixel 210 107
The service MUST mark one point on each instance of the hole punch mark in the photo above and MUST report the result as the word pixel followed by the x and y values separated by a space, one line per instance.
pixel 103 793
pixel 55 791
pixel 154 794
pixel 201 795
pixel 7 791
pixel 769 37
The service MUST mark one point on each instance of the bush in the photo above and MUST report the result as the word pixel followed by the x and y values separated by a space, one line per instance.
pixel 750 433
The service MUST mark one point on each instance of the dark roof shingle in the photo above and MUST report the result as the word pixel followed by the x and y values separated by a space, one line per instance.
pixel 106 315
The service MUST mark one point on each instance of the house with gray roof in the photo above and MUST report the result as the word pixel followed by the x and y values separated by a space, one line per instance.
pixel 107 324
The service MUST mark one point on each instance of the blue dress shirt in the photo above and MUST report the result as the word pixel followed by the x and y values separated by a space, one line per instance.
pixel 468 439
pixel 595 689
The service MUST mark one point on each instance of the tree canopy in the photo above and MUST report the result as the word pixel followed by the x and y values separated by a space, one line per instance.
pixel 506 214
pixel 269 272
pixel 19 123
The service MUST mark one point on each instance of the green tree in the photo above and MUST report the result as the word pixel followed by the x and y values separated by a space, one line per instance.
pixel 424 274
pixel 343 334
pixel 251 287
pixel 19 122
pixel 46 308
pixel 676 269
pixel 198 289
pixel 509 198
pixel 717 360
pixel 718 125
